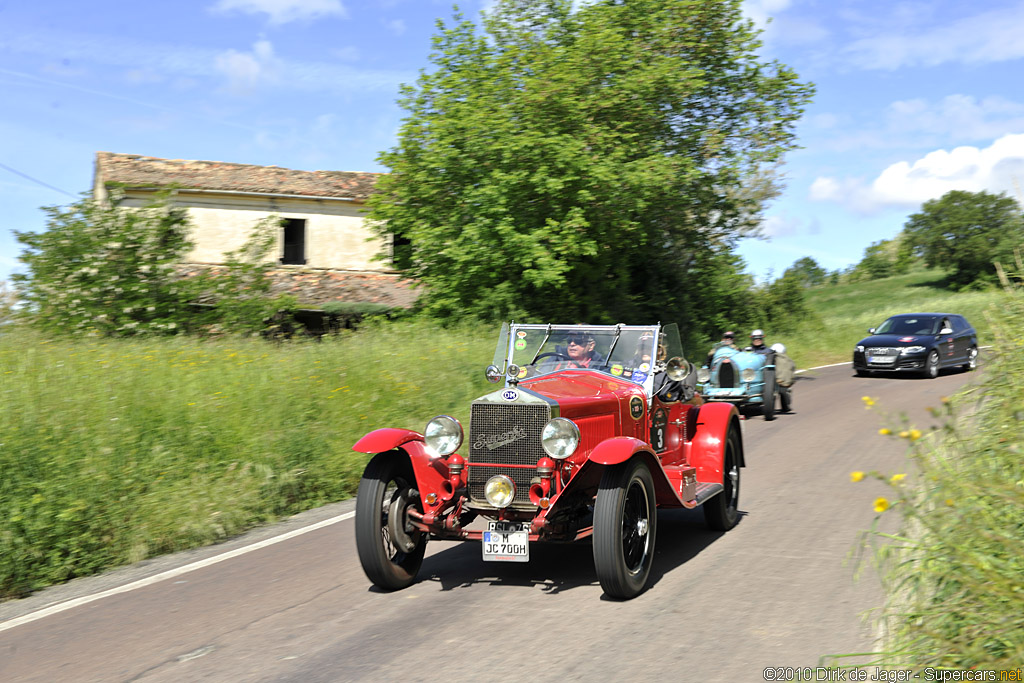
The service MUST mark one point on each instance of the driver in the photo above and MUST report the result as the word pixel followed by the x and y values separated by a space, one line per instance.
pixel 580 350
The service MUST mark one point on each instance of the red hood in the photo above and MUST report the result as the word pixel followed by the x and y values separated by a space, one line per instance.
pixel 580 392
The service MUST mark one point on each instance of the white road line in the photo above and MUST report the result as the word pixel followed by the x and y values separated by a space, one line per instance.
pixel 171 573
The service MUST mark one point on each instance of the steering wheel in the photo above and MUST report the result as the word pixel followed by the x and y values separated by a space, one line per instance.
pixel 555 354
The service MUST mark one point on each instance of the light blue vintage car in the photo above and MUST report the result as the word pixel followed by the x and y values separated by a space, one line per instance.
pixel 743 378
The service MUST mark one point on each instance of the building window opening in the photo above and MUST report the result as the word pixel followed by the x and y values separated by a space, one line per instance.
pixel 294 241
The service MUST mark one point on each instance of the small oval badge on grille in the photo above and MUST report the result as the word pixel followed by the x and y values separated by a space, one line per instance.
pixel 510 394
pixel 636 407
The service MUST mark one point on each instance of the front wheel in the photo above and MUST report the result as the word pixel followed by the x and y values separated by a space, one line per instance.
pixel 768 395
pixel 931 366
pixel 390 548
pixel 625 521
pixel 721 513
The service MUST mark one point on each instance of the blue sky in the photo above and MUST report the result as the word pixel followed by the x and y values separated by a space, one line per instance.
pixel 914 99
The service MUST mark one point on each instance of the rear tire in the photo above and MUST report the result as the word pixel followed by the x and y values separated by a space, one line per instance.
pixel 972 359
pixel 721 513
pixel 625 523
pixel 390 549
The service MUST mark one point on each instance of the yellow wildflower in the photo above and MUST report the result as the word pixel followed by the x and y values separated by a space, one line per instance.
pixel 904 434
pixel 885 431
pixel 949 502
pixel 881 504
pixel 856 476
pixel 896 477
pixel 868 401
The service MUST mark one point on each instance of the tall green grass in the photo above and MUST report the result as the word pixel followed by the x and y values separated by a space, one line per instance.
pixel 114 451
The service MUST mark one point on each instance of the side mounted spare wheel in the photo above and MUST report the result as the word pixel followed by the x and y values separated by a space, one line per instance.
pixel 625 522
pixel 390 548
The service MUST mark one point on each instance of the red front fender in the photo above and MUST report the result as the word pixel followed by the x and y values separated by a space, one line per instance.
pixel 387 439
pixel 708 447
pixel 619 449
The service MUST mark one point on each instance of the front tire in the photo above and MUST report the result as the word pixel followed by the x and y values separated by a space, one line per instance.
pixel 931 366
pixel 721 513
pixel 625 522
pixel 768 395
pixel 390 549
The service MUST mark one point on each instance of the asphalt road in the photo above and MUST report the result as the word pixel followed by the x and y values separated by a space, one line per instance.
pixel 776 591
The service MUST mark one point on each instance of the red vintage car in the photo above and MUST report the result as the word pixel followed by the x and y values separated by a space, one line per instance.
pixel 595 427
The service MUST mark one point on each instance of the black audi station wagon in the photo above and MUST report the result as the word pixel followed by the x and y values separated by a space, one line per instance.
pixel 918 343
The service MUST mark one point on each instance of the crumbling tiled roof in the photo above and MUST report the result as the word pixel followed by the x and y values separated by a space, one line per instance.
pixel 132 170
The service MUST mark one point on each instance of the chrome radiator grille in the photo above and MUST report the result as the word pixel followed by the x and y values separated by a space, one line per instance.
pixel 505 434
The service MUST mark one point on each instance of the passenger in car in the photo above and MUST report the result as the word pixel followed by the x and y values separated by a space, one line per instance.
pixel 757 342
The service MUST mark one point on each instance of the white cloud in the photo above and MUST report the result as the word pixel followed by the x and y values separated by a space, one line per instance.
pixel 396 26
pixel 996 168
pixel 283 11
pixel 990 36
pixel 246 70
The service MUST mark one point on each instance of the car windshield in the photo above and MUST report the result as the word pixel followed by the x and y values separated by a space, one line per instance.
pixel 921 324
pixel 630 352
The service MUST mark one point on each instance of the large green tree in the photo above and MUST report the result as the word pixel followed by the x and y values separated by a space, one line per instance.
pixel 582 164
pixel 965 232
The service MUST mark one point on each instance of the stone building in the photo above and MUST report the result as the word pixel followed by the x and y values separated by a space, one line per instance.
pixel 324 250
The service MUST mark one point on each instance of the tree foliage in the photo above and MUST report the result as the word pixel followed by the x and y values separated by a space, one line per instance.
pixel 102 269
pixel 966 232
pixel 807 271
pixel 585 164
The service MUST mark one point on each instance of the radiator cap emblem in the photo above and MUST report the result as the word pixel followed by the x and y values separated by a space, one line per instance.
pixel 510 394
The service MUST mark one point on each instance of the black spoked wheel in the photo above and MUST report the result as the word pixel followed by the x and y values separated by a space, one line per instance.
pixel 722 512
pixel 625 521
pixel 931 366
pixel 390 548
pixel 768 395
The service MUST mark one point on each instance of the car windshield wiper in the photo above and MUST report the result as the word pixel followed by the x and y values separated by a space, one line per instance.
pixel 547 335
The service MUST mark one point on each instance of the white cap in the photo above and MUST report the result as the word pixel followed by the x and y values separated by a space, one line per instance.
pixel 757 333
pixel 778 348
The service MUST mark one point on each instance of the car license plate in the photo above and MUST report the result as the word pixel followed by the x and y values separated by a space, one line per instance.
pixel 881 359
pixel 507 542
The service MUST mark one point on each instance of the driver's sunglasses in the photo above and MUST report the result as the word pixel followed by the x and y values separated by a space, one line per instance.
pixel 579 341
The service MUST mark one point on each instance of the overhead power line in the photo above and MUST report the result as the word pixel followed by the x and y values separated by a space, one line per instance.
pixel 36 180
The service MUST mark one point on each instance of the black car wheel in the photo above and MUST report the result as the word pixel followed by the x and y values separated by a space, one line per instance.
pixel 972 359
pixel 768 395
pixel 625 521
pixel 722 512
pixel 390 549
pixel 931 366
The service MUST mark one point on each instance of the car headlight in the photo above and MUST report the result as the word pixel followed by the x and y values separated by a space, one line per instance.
pixel 748 374
pixel 703 375
pixel 913 349
pixel 860 348
pixel 443 435
pixel 560 438
pixel 499 491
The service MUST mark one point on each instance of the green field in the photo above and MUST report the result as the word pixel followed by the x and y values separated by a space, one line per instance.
pixel 117 450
